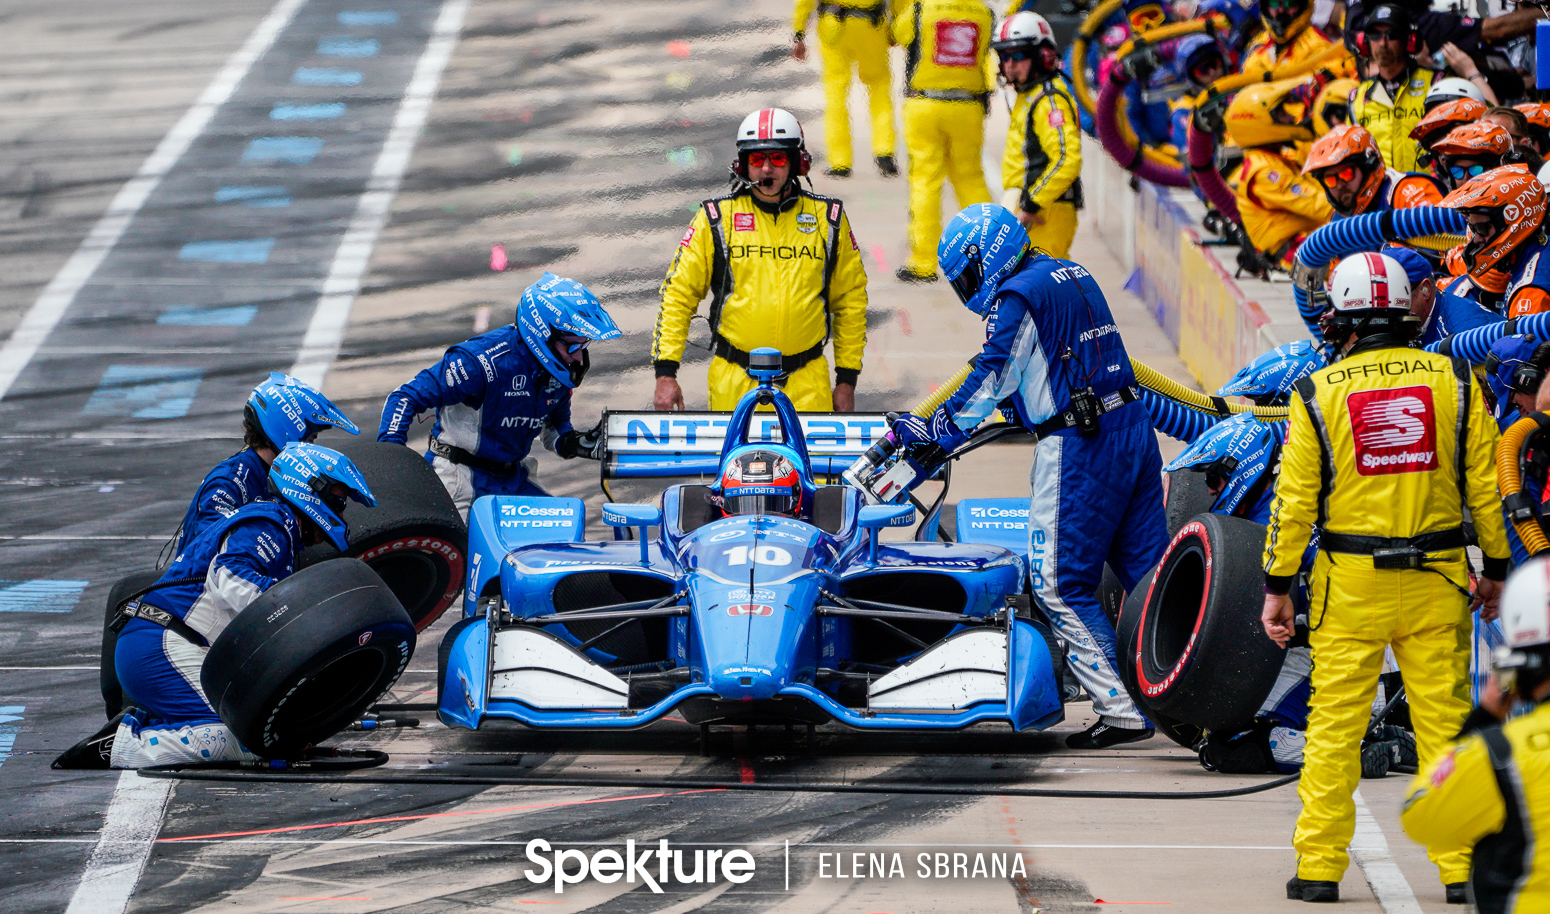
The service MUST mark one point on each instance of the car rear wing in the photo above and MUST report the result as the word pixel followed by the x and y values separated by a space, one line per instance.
pixel 648 445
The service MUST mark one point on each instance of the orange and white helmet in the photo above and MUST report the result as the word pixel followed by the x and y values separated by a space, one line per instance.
pixel 1444 118
pixel 1525 610
pixel 1347 146
pixel 1515 202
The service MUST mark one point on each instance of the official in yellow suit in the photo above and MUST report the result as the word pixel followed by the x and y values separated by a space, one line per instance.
pixel 1290 38
pixel 1392 101
pixel 782 268
pixel 852 35
pixel 1385 448
pixel 1490 791
pixel 1278 204
pixel 947 83
pixel 1042 168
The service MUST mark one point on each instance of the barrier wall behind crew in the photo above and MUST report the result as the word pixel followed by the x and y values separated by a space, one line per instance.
pixel 1214 322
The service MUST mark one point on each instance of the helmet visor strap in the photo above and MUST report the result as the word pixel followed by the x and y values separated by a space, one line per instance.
pixel 971 277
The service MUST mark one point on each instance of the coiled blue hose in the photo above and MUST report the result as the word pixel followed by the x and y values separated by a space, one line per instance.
pixel 1175 419
pixel 1474 345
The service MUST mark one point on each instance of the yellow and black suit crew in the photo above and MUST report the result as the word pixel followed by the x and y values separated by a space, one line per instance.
pixel 852 37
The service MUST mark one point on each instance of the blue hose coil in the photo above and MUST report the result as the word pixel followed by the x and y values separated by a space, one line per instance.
pixel 1175 419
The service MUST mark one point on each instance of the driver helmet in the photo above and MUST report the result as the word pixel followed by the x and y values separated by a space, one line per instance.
pixel 1255 116
pixel 1236 455
pixel 1523 663
pixel 761 479
pixel 1514 200
pixel 1269 378
pixel 286 410
pixel 979 249
pixel 1340 155
pixel 305 476
pixel 553 306
pixel 1450 89
pixel 1285 19
pixel 1193 54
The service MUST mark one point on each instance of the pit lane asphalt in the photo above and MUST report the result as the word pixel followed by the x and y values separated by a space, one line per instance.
pixel 579 136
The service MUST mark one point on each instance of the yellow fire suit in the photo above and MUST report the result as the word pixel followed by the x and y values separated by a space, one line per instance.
pixel 1390 120
pixel 784 279
pixel 1265 55
pixel 947 84
pixel 852 35
pixel 1277 202
pixel 1042 166
pixel 1461 799
pixel 1385 443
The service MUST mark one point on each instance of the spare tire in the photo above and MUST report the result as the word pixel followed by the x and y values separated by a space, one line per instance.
pixel 1187 496
pixel 1201 655
pixel 306 658
pixel 414 538
pixel 1186 735
pixel 107 675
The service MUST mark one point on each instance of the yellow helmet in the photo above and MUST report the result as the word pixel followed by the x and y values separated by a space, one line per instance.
pixel 1251 118
pixel 1333 106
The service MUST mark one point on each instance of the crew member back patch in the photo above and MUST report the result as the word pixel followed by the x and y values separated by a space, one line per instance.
pixel 1395 431
pixel 956 43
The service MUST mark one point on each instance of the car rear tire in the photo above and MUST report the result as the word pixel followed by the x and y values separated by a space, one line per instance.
pixel 1186 735
pixel 414 539
pixel 306 658
pixel 1201 655
pixel 127 586
pixel 1188 495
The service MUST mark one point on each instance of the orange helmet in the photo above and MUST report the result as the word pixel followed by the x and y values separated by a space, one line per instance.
pixel 1480 140
pixel 1514 200
pixel 1443 118
pixel 1349 145
pixel 1538 113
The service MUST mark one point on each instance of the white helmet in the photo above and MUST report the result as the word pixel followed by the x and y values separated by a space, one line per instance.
pixel 1544 174
pixel 1451 89
pixel 1023 28
pixel 770 128
pixel 1369 282
pixel 1525 609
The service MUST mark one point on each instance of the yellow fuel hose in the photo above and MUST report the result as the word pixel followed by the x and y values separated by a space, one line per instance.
pixel 1436 242
pixel 1235 81
pixel 1084 35
pixel 926 407
pixel 1509 480
pixel 1162 385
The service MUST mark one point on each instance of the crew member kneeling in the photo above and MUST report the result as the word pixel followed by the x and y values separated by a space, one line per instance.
pixel 165 634
pixel 1384 449
pixel 1054 358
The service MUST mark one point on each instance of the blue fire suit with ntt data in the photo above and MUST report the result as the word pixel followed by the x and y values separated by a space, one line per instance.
pixel 492 397
pixel 230 563
pixel 1096 498
pixel 238 480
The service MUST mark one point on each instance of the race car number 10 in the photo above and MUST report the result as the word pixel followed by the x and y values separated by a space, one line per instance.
pixel 762 555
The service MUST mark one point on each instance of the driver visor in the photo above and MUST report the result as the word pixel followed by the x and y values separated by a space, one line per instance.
pixel 970 278
pixel 762 504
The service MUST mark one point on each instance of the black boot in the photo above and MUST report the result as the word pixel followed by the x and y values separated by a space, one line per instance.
pixel 1457 892
pixel 1101 736
pixel 834 172
pixel 905 274
pixel 95 752
pixel 1299 889
pixel 886 167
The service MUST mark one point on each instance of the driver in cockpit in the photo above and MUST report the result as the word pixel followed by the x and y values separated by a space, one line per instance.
pixel 761 479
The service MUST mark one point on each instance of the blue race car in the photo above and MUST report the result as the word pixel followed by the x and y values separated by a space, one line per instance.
pixel 791 611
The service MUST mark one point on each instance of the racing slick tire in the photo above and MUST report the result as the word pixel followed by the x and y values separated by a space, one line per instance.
pixel 1187 495
pixel 1201 655
pixel 1111 594
pixel 306 658
pixel 127 586
pixel 414 538
pixel 1186 735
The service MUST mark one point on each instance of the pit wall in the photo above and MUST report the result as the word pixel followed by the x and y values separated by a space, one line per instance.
pixel 1216 322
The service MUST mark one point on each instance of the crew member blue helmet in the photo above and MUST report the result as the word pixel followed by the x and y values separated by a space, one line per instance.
pixel 1236 455
pixel 980 248
pixel 1269 378
pixel 1193 52
pixel 1241 14
pixel 286 410
pixel 556 305
pixel 304 475
pixel 1512 366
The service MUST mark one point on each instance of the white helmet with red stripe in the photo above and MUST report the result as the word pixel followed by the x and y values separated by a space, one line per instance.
pixel 773 128
pixel 1524 661
pixel 1369 293
pixel 1023 28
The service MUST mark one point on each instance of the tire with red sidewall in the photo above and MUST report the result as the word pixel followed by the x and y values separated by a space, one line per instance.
pixel 1187 495
pixel 1200 654
pixel 414 538
pixel 1186 735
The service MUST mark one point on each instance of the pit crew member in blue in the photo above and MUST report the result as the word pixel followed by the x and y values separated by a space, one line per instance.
pixel 497 392
pixel 1053 360
pixel 165 634
pixel 279 411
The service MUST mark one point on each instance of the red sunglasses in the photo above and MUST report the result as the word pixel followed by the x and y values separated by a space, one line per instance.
pixel 1332 178
pixel 757 159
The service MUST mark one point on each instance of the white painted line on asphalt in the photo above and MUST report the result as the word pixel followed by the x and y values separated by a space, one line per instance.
pixel 128 833
pixel 320 346
pixel 16 668
pixel 56 297
pixel 1370 850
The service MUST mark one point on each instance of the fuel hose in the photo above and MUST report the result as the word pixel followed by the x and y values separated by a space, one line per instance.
pixel 1509 480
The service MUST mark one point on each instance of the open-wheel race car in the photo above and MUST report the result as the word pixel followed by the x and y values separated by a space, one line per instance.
pixel 783 612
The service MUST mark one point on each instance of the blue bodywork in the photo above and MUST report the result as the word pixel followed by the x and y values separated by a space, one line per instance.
pixel 741 619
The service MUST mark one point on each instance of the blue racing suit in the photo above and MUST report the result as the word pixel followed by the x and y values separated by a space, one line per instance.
pixel 1454 313
pixel 492 397
pixel 224 568
pixel 238 480
pixel 1095 499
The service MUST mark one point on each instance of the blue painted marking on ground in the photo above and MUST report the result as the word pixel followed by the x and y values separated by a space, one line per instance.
pixel 145 392
pixel 325 111
pixel 235 316
pixel 286 150
pixel 348 47
pixel 254 251
pixel 9 714
pixel 368 17
pixel 325 76
pixel 265 197
pixel 39 596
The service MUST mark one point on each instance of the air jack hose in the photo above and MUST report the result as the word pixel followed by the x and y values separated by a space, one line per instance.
pixel 1202 167
pixel 1121 143
pixel 1159 383
pixel 1521 509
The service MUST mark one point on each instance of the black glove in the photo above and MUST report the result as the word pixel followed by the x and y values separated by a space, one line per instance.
pixel 586 444
pixel 1138 66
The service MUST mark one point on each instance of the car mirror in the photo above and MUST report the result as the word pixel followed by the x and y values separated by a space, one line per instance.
pixel 618 515
pixel 876 517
